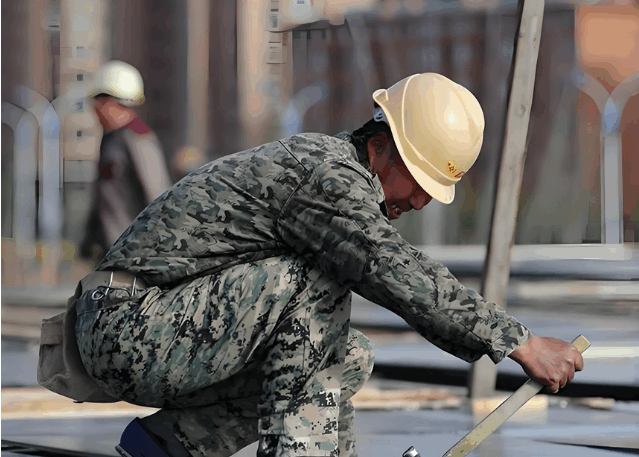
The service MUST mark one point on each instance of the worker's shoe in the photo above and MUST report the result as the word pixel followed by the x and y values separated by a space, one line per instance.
pixel 138 441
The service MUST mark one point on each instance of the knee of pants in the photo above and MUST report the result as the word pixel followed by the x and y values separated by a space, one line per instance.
pixel 358 364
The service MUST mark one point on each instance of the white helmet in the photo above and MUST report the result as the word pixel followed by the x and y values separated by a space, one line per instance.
pixel 438 128
pixel 119 80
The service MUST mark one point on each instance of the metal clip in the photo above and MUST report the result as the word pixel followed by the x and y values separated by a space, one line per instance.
pixel 411 452
pixel 100 292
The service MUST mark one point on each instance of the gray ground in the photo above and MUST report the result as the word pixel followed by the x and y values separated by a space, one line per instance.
pixel 565 429
pixel 561 431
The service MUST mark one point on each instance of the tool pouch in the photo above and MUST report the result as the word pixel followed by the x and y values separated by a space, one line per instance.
pixel 60 368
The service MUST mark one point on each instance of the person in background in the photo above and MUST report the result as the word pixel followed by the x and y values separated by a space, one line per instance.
pixel 132 169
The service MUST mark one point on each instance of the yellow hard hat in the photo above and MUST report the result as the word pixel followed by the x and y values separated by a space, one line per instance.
pixel 119 80
pixel 438 128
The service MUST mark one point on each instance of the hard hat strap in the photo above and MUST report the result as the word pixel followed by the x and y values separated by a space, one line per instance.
pixel 379 115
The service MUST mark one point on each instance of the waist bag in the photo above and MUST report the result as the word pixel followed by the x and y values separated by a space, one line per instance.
pixel 60 368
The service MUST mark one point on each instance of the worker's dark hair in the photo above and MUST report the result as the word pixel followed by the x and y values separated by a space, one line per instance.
pixel 361 136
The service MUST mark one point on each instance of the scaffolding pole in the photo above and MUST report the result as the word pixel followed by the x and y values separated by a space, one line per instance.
pixel 483 373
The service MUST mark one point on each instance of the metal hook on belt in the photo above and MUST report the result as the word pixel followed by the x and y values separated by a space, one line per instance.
pixel 100 292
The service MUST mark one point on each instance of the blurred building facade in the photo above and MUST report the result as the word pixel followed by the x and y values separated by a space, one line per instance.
pixel 212 88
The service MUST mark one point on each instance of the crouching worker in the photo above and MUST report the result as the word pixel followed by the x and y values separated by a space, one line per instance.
pixel 226 303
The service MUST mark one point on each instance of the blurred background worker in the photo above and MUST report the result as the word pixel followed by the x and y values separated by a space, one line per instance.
pixel 132 168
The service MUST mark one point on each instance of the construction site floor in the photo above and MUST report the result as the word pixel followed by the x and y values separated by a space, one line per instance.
pixel 431 420
pixel 562 428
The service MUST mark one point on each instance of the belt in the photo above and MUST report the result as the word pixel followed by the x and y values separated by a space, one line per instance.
pixel 102 281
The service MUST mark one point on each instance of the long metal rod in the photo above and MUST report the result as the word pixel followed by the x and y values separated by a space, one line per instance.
pixel 497 268
pixel 509 407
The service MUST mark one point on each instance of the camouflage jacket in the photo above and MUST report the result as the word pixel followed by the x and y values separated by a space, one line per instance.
pixel 313 195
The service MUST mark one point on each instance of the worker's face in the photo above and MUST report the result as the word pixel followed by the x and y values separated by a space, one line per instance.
pixel 112 115
pixel 400 188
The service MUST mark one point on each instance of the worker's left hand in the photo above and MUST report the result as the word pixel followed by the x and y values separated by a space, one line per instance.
pixel 549 361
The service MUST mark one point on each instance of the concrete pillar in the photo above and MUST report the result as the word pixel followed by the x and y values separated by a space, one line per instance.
pixel 84 36
pixel 251 70
pixel 264 73
pixel 15 26
pixel 39 58
pixel 129 39
pixel 224 123
pixel 197 73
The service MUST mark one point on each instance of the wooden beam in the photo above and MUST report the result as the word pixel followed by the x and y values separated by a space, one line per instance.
pixel 497 266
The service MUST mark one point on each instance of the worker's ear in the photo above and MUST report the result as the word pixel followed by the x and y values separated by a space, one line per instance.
pixel 379 142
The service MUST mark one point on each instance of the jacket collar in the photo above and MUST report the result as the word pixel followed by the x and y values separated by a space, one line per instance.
pixel 362 159
pixel 360 156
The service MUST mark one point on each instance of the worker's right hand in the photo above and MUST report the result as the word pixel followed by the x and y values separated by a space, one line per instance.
pixel 549 361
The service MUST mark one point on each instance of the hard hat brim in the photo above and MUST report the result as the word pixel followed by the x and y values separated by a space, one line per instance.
pixel 136 102
pixel 121 101
pixel 441 193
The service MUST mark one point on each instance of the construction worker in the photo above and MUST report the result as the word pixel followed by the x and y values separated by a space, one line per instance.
pixel 226 303
pixel 132 169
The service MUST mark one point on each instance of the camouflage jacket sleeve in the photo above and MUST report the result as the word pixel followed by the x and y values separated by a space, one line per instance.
pixel 335 221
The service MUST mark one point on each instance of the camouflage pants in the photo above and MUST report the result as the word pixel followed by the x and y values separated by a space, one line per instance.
pixel 261 351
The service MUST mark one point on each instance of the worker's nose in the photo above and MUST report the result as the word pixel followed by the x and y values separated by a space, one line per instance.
pixel 420 199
